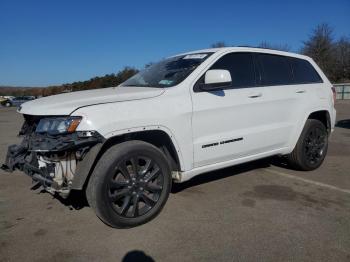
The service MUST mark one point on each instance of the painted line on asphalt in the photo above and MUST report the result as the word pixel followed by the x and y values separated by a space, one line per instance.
pixel 307 181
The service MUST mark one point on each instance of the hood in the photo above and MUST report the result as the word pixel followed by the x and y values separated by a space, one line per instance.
pixel 65 104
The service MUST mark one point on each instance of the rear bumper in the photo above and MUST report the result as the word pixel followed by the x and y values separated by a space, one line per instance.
pixel 333 119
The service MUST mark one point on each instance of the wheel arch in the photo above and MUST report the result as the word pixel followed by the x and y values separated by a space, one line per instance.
pixel 319 114
pixel 157 137
pixel 323 116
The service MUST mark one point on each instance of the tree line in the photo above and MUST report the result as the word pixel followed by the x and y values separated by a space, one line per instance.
pixel 96 82
pixel 331 54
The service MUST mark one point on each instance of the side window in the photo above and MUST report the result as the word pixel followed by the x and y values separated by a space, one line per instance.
pixel 276 70
pixel 241 67
pixel 304 72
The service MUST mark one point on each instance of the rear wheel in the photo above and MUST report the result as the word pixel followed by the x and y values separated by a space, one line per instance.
pixel 311 147
pixel 130 184
pixel 8 104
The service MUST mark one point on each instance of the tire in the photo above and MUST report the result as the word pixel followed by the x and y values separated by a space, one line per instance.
pixel 114 186
pixel 311 148
pixel 8 104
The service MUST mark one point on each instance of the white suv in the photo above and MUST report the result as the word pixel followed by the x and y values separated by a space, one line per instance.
pixel 188 114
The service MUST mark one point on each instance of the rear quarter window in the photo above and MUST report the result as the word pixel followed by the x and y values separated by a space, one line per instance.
pixel 304 72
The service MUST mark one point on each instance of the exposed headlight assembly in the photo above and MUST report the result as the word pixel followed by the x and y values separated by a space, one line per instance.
pixel 58 125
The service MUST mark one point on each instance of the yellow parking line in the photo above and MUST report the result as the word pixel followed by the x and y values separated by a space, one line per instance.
pixel 307 180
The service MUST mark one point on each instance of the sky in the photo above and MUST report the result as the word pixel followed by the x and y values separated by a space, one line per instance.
pixel 54 42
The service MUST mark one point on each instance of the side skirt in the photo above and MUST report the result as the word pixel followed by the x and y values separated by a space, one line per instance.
pixel 180 177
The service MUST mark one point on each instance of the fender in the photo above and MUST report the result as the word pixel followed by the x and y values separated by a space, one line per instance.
pixel 150 128
pixel 86 166
pixel 301 124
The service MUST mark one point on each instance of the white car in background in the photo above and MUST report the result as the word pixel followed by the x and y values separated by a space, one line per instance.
pixel 186 115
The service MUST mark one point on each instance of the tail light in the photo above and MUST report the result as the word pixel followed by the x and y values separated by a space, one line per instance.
pixel 334 94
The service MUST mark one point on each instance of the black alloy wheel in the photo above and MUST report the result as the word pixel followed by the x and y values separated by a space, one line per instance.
pixel 136 186
pixel 130 184
pixel 314 145
pixel 311 148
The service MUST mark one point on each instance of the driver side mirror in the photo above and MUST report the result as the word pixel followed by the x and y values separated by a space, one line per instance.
pixel 216 79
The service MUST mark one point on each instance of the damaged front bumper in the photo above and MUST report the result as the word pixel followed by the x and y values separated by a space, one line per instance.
pixel 51 160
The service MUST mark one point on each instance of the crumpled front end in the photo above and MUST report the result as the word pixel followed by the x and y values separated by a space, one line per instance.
pixel 50 159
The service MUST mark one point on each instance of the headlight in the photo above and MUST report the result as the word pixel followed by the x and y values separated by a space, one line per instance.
pixel 58 125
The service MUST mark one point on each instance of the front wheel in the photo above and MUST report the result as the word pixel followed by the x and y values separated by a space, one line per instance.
pixel 130 184
pixel 311 147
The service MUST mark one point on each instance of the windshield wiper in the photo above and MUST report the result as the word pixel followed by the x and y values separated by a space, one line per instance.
pixel 130 85
pixel 140 85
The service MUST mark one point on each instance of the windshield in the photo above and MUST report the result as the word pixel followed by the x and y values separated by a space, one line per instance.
pixel 169 72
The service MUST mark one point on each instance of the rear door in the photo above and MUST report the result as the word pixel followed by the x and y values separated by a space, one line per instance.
pixel 309 89
pixel 285 98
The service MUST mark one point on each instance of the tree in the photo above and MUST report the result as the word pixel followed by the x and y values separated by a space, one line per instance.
pixel 320 46
pixel 218 44
pixel 108 80
pixel 148 64
pixel 342 60
pixel 281 47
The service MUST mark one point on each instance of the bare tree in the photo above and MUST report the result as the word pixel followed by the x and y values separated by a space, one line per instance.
pixel 319 46
pixel 281 47
pixel 148 64
pixel 342 60
pixel 218 44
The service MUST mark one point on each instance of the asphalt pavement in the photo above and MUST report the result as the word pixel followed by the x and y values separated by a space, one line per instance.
pixel 260 211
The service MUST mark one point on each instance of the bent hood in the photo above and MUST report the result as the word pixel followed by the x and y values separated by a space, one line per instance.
pixel 65 104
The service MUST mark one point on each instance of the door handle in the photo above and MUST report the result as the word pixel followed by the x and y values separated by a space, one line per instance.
pixel 300 91
pixel 255 95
